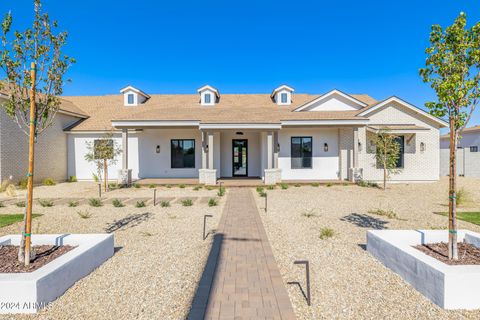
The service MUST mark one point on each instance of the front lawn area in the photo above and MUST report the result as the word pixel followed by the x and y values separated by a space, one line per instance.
pixel 8 219
pixel 472 217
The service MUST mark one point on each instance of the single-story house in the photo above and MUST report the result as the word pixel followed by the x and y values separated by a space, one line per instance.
pixel 469 138
pixel 282 136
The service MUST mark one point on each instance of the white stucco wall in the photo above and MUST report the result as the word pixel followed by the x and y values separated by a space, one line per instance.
pixel 467 140
pixel 333 102
pixel 418 166
pixel 325 165
pixel 50 150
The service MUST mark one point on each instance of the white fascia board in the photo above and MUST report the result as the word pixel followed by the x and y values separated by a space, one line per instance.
pixel 207 87
pixel 283 86
pixel 405 104
pixel 130 88
pixel 324 122
pixel 155 123
pixel 272 126
pixel 73 114
pixel 326 95
pixel 102 131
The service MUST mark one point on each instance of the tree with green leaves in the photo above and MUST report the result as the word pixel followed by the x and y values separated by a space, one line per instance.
pixel 33 66
pixel 453 71
pixel 387 153
pixel 103 153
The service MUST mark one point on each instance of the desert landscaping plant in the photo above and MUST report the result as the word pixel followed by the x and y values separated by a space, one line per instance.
pixel 271 187
pixel 20 204
pixel 11 191
pixel 221 191
pixel 45 202
pixel 73 204
pixel 296 185
pixel 117 203
pixel 309 213
pixel 387 154
pixel 152 186
pixel 103 153
pixel 463 196
pixel 136 185
pixel 262 194
pixel 181 186
pixel 95 202
pixel 386 213
pixel 212 202
pixel 187 202
pixel 34 66
pixel 22 183
pixel 326 233
pixel 72 179
pixel 2 205
pixel 165 204
pixel 315 184
pixel 196 188
pixel 453 72
pixel 84 214
pixel 49 182
pixel 366 184
pixel 140 204
pixel 284 186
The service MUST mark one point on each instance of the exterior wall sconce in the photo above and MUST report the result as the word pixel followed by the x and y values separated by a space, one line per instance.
pixel 206 148
pixel 325 147
pixel 423 147
pixel 239 133
pixel 278 147
pixel 359 146
pixel 158 149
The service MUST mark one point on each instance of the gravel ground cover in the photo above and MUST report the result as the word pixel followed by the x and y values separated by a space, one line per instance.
pixel 159 256
pixel 346 282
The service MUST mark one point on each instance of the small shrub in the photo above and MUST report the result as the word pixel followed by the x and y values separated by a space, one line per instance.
pixel 168 186
pixel 326 233
pixel 95 202
pixel 4 185
pixel 2 205
pixel 181 186
pixel 73 204
pixel 271 187
pixel 72 179
pixel 136 185
pixel 11 191
pixel 151 186
pixel 262 194
pixel 164 204
pixel 196 188
pixel 21 204
pixel 140 204
pixel 117 203
pixel 187 202
pixel 284 186
pixel 113 186
pixel 23 183
pixel 209 188
pixel 45 202
pixel 329 185
pixel 462 196
pixel 260 189
pixel 221 192
pixel 296 185
pixel 386 213
pixel 309 213
pixel 49 182
pixel 212 202
pixel 95 177
pixel 367 184
pixel 84 214
pixel 315 184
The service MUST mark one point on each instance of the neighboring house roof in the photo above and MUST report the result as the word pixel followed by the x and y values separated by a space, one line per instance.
pixel 474 129
pixel 231 108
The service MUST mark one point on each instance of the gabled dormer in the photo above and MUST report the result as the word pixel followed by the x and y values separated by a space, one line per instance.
pixel 208 95
pixel 133 96
pixel 282 95
pixel 334 100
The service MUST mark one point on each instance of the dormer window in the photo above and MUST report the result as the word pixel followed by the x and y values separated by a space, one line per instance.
pixel 208 98
pixel 208 95
pixel 282 95
pixel 132 96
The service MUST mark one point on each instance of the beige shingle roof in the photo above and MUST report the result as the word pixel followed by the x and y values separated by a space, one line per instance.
pixel 232 108
pixel 466 130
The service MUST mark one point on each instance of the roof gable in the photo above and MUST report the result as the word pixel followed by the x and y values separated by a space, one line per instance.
pixel 334 100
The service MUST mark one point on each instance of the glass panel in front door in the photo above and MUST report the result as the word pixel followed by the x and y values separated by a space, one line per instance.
pixel 240 157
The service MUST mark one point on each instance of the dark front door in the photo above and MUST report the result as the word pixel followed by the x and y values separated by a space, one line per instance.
pixel 240 157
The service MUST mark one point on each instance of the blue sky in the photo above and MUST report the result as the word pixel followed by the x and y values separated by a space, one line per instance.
pixel 373 47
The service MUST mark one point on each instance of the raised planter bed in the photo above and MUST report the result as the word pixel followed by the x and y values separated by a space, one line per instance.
pixel 29 292
pixel 449 286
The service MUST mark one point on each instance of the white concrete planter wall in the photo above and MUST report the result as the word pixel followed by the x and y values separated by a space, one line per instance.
pixel 450 287
pixel 29 292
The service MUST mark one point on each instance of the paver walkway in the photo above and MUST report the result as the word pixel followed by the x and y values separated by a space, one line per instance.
pixel 246 282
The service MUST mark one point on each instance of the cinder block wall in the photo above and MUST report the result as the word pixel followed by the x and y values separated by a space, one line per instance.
pixel 50 150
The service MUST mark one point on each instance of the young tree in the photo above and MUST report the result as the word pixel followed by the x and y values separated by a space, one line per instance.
pixel 387 154
pixel 33 66
pixel 103 153
pixel 453 71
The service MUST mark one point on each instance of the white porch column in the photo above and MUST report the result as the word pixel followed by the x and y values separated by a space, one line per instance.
pixel 269 150
pixel 124 176
pixel 204 150
pixel 210 150
pixel 271 173
pixel 355 147
pixel 124 149
pixel 275 150
pixel 207 174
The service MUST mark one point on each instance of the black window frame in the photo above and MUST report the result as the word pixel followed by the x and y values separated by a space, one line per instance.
pixel 130 95
pixel 173 163
pixel 473 148
pixel 292 163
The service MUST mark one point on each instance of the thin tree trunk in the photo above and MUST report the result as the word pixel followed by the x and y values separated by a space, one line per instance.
pixel 452 203
pixel 105 175
pixel 21 249
pixel 31 155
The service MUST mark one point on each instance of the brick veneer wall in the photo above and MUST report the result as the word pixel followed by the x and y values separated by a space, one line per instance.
pixel 50 150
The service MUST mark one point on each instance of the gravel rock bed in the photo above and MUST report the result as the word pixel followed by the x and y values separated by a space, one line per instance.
pixel 346 282
pixel 159 256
